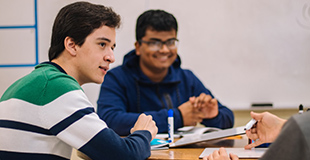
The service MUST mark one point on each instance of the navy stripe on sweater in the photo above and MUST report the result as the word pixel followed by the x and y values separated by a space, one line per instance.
pixel 28 156
pixel 55 129
pixel 24 127
pixel 71 119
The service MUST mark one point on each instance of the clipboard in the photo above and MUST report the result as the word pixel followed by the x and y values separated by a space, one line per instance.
pixel 208 136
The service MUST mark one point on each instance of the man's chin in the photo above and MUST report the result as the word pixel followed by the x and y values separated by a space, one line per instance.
pixel 99 81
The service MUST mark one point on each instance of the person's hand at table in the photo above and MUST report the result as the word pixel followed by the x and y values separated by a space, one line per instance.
pixel 145 122
pixel 221 154
pixel 266 130
pixel 190 115
pixel 207 105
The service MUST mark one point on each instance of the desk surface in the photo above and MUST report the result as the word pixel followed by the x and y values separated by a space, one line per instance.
pixel 192 152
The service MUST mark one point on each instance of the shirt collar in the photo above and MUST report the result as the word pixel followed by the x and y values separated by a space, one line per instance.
pixel 56 65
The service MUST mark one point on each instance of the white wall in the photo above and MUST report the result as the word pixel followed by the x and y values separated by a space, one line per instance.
pixel 245 51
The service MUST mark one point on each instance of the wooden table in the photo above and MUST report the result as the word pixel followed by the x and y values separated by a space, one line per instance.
pixel 192 152
pixel 177 153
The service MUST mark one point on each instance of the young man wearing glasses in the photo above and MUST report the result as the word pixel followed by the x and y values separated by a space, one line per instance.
pixel 152 72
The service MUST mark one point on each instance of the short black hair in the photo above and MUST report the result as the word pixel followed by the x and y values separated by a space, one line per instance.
pixel 158 20
pixel 78 20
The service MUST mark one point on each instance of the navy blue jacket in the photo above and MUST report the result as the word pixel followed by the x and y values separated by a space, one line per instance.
pixel 126 92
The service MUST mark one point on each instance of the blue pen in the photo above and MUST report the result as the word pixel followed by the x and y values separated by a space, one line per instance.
pixel 170 126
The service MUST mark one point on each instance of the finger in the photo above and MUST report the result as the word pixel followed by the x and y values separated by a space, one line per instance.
pixel 253 130
pixel 197 101
pixel 148 120
pixel 154 129
pixel 251 135
pixel 145 121
pixel 139 120
pixel 256 116
pixel 213 102
pixel 210 157
pixel 215 154
pixel 192 100
pixel 205 158
pixel 201 100
pixel 254 144
pixel 223 152
pixel 249 146
pixel 233 156
pixel 206 100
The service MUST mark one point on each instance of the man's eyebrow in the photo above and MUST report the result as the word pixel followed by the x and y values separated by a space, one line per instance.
pixel 103 38
pixel 106 39
pixel 156 39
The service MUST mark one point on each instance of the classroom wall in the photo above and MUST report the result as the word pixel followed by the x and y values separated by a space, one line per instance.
pixel 245 51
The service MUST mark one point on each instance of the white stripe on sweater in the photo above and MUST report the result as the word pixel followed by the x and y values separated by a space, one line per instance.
pixel 29 142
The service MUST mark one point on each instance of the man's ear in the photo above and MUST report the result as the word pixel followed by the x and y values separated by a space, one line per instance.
pixel 137 46
pixel 70 46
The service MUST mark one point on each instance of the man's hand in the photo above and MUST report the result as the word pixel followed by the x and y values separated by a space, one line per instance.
pixel 145 122
pixel 221 155
pixel 205 104
pixel 198 108
pixel 266 130
pixel 190 115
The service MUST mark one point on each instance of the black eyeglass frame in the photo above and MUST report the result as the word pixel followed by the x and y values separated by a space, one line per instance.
pixel 160 43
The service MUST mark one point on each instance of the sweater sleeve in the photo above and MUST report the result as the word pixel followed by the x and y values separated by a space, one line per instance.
pixel 108 145
pixel 73 120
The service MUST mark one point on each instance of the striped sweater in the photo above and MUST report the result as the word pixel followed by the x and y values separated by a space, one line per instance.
pixel 46 113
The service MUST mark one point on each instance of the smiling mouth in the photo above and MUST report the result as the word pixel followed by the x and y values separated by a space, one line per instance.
pixel 163 58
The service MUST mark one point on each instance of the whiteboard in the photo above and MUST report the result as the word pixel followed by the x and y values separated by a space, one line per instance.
pixel 245 51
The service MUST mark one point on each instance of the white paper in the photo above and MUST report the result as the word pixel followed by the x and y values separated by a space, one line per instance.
pixel 240 152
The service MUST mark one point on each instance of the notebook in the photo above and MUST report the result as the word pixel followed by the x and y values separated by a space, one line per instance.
pixel 157 144
pixel 188 131
pixel 208 136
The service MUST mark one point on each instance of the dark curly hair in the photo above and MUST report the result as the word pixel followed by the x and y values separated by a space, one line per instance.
pixel 157 20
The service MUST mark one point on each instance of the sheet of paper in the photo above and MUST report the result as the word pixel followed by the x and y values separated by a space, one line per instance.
pixel 240 152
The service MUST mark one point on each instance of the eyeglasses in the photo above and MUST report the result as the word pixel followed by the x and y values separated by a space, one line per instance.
pixel 156 45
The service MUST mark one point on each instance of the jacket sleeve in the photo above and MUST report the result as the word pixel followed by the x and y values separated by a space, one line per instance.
pixel 112 103
pixel 225 117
